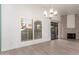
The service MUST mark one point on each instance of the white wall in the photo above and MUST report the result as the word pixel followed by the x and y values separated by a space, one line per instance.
pixel 70 21
pixel 11 34
pixel 0 27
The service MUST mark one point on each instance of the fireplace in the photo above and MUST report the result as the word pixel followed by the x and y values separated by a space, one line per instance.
pixel 71 35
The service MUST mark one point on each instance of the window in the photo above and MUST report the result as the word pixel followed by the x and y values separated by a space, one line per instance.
pixel 37 29
pixel 26 29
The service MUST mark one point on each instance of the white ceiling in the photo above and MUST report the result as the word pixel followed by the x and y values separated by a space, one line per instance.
pixel 63 8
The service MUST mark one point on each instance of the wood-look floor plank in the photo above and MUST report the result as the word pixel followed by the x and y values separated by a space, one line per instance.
pixel 54 47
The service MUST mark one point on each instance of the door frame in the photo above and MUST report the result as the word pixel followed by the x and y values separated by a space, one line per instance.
pixel 57 30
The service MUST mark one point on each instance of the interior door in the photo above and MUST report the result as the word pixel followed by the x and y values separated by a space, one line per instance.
pixel 54 30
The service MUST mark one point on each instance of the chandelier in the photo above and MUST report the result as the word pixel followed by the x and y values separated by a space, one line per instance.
pixel 52 13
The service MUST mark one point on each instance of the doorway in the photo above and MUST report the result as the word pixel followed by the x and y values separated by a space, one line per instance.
pixel 54 30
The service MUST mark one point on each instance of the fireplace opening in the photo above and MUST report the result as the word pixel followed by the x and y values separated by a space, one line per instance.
pixel 71 35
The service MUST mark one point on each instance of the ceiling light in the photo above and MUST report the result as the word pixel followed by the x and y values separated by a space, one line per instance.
pixel 51 11
pixel 55 12
pixel 52 14
pixel 45 13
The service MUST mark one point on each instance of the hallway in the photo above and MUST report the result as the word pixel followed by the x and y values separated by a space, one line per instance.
pixel 54 47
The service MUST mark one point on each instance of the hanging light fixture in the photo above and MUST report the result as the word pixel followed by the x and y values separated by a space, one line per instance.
pixel 51 13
